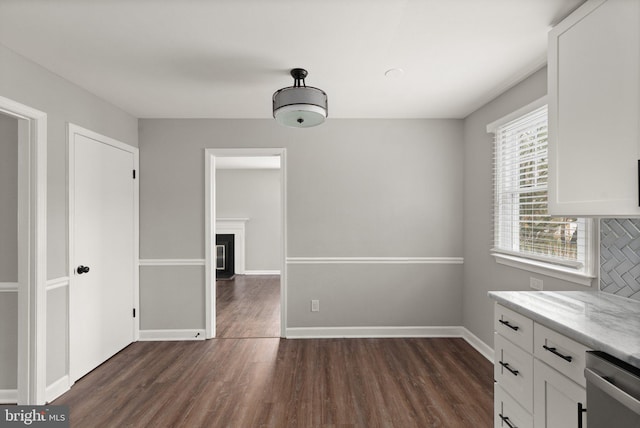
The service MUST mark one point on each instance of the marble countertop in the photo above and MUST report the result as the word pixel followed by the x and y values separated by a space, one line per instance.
pixel 600 321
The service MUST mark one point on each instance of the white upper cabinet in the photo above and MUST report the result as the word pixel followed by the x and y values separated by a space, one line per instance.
pixel 594 111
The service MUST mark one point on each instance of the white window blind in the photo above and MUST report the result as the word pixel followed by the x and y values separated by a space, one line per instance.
pixel 522 225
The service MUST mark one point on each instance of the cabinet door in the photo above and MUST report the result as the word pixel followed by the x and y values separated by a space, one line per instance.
pixel 594 99
pixel 556 399
pixel 507 412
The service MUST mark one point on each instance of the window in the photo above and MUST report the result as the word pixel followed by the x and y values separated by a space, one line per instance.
pixel 523 229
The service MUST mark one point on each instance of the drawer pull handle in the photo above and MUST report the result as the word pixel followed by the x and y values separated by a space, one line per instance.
pixel 581 410
pixel 555 352
pixel 506 420
pixel 512 327
pixel 506 366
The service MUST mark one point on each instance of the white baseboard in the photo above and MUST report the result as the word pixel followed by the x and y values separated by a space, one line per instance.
pixel 388 332
pixel 8 396
pixel 372 332
pixel 161 335
pixel 57 388
pixel 479 345
pixel 261 272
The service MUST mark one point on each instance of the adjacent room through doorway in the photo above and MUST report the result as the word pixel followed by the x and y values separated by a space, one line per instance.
pixel 248 248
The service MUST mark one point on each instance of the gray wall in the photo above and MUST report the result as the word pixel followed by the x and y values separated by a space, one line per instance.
pixel 355 188
pixel 8 250
pixel 481 272
pixel 253 194
pixel 9 338
pixel 8 199
pixel 28 83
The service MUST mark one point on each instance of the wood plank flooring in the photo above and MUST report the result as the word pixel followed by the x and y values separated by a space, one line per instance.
pixel 245 378
pixel 271 382
pixel 248 306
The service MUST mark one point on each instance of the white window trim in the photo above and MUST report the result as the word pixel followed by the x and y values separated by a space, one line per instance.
pixel 493 126
pixel 542 268
pixel 539 266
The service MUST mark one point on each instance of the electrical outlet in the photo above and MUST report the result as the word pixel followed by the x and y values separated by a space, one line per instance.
pixel 315 306
pixel 535 283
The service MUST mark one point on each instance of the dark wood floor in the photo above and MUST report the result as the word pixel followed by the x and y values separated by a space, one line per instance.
pixel 248 306
pixel 241 381
pixel 275 382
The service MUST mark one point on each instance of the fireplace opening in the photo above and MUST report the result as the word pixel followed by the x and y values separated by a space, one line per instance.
pixel 225 261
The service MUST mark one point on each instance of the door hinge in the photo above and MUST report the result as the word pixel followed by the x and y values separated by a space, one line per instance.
pixel 134 312
pixel 134 174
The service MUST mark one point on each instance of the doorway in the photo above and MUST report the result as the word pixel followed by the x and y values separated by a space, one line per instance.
pixel 31 256
pixel 253 302
pixel 9 259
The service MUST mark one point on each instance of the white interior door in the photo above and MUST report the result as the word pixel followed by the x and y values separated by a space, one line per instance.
pixel 103 233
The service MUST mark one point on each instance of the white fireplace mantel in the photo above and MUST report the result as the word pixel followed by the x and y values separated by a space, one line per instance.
pixel 235 227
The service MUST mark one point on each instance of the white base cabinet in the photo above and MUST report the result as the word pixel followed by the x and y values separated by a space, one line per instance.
pixel 538 372
pixel 557 400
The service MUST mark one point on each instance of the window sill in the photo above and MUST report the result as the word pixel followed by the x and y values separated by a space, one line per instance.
pixel 548 269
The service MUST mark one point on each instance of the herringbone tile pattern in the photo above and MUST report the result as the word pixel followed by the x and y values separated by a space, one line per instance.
pixel 620 257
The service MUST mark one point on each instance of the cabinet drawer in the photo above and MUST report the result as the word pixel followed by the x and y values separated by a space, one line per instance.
pixel 561 353
pixel 508 411
pixel 515 327
pixel 513 371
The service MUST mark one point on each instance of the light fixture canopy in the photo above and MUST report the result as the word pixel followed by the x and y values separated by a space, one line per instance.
pixel 300 106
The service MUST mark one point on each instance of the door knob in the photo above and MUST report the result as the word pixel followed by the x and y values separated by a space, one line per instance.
pixel 82 269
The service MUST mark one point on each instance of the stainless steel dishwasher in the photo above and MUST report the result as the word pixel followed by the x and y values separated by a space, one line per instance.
pixel 613 392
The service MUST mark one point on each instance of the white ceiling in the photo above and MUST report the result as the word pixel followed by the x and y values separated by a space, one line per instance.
pixel 225 58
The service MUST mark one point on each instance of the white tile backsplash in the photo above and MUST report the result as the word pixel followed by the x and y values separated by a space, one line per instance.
pixel 620 257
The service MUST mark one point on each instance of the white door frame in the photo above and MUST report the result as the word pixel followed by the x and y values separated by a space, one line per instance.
pixel 32 250
pixel 72 130
pixel 210 230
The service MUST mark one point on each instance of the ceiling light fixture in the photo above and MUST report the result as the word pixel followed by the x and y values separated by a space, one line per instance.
pixel 300 106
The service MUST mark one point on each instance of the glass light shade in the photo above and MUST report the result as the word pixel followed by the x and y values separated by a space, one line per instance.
pixel 300 115
pixel 300 107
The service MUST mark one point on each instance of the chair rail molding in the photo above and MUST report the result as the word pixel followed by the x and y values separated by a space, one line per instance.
pixel 374 260
pixel 60 282
pixel 8 287
pixel 171 262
